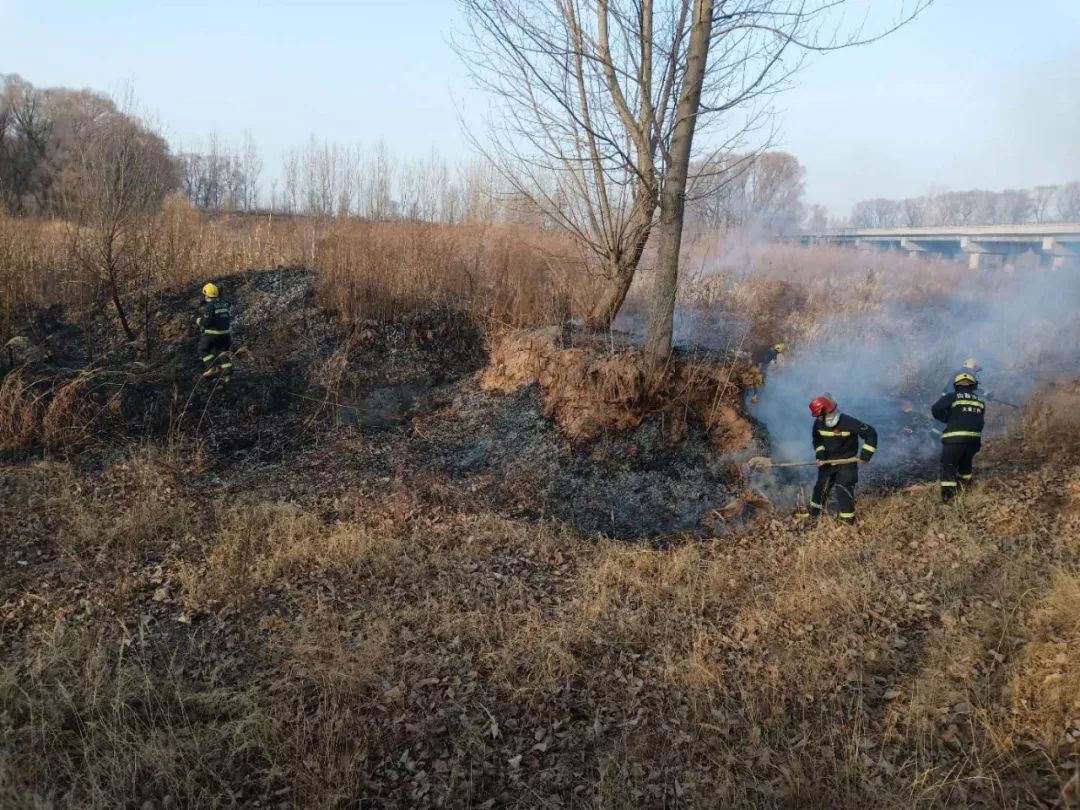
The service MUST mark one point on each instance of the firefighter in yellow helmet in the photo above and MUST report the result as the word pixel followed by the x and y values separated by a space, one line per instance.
pixel 971 365
pixel 963 412
pixel 215 321
pixel 768 356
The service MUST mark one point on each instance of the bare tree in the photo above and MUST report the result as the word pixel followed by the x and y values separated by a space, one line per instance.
pixel 916 212
pixel 877 213
pixel 749 190
pixel 817 219
pixel 25 132
pixel 583 90
pixel 1041 199
pixel 738 52
pixel 1068 203
pixel 123 173
pixel 1013 207
pixel 598 103
pixel 251 166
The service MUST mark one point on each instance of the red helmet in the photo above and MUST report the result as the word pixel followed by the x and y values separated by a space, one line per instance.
pixel 822 406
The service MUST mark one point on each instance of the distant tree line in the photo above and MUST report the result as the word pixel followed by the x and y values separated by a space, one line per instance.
pixel 1009 207
pixel 222 179
pixel 328 179
pixel 50 140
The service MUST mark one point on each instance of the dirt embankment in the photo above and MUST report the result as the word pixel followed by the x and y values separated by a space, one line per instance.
pixel 554 424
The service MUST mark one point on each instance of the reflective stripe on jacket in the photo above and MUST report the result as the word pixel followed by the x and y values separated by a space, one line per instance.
pixel 964 414
pixel 216 318
pixel 842 440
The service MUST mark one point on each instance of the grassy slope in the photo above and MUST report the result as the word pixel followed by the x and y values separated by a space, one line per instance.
pixel 196 653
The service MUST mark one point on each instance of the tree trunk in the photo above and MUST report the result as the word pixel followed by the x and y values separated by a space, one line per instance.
pixel 624 267
pixel 114 293
pixel 611 299
pixel 673 194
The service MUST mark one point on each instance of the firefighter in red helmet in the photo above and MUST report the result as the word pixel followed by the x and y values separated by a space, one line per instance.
pixel 836 439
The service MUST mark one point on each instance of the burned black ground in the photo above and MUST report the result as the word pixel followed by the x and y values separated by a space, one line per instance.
pixel 317 405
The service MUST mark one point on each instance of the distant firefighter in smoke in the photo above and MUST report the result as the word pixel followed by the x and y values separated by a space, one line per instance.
pixel 766 359
pixel 768 356
pixel 963 411
pixel 836 447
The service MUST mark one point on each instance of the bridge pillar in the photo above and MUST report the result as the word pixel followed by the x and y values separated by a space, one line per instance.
pixel 978 254
pixel 914 249
pixel 1058 254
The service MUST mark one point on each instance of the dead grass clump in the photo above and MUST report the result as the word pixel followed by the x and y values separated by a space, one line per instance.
pixel 1050 426
pixel 91 723
pixel 1045 688
pixel 68 418
pixel 20 412
pixel 257 544
pixel 588 389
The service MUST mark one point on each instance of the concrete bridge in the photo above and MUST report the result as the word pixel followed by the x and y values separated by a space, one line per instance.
pixel 1056 245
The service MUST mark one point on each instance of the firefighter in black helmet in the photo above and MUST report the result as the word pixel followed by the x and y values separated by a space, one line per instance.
pixel 963 412
pixel 216 324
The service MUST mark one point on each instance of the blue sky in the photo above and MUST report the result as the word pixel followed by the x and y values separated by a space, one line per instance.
pixel 977 93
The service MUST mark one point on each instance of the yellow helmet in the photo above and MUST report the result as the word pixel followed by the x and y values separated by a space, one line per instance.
pixel 971 364
pixel 965 378
pixel 779 348
pixel 210 291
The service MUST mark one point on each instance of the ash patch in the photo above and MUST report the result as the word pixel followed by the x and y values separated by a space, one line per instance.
pixel 317 407
pixel 627 484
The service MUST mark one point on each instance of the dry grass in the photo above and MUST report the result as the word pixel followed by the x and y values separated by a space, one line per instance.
pixel 56 415
pixel 426 658
pixel 591 388
pixel 171 644
pixel 20 412
pixel 504 274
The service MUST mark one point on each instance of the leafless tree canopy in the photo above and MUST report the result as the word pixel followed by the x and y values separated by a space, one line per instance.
pixel 582 93
pixel 221 178
pixel 116 180
pixel 1068 202
pixel 44 135
pixel 745 191
pixel 591 101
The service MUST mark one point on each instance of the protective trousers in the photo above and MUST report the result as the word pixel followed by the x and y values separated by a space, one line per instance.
pixel 956 460
pixel 214 351
pixel 842 478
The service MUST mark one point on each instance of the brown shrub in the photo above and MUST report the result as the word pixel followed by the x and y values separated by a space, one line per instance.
pixel 589 388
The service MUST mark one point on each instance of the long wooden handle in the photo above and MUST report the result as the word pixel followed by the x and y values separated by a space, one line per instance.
pixel 832 463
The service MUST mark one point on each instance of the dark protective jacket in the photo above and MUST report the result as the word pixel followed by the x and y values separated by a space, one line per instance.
pixel 216 318
pixel 764 356
pixel 842 440
pixel 963 413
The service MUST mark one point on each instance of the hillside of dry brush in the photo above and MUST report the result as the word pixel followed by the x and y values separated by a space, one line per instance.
pixel 428 553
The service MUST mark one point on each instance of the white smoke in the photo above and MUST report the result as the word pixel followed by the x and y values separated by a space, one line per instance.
pixel 888 368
